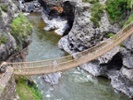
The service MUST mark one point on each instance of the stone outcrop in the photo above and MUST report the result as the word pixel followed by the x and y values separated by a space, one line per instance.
pixel 127 52
pixel 100 66
pixel 7 41
pixel 29 6
pixel 84 35
pixel 121 83
pixel 58 15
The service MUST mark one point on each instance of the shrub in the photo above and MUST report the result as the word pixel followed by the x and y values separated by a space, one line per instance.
pixel 96 12
pixel 117 9
pixel 121 45
pixel 130 19
pixel 110 35
pixel 20 28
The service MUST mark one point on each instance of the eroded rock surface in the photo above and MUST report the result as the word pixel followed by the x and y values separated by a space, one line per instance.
pixel 7 41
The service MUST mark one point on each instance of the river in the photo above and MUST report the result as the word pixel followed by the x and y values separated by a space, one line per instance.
pixel 74 84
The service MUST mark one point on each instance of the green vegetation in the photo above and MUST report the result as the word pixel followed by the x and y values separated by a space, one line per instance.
pixel 3 39
pixel 91 1
pixel 121 45
pixel 21 28
pixel 4 7
pixel 130 19
pixel 130 3
pixel 96 12
pixel 117 9
pixel 110 35
pixel 25 92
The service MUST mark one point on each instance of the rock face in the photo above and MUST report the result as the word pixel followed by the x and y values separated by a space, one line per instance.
pixel 29 6
pixel 127 50
pixel 7 48
pixel 7 41
pixel 59 15
pixel 101 66
pixel 121 83
pixel 83 33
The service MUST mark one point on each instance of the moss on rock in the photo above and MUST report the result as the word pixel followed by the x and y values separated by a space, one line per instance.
pixel 21 28
pixel 96 13
pixel 4 7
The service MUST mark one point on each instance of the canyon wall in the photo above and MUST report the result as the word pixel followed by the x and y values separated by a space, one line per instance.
pixel 116 64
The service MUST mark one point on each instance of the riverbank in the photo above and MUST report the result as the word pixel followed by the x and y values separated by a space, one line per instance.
pixel 26 89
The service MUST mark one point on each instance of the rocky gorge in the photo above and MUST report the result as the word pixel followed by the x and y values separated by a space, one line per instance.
pixel 116 64
pixel 72 20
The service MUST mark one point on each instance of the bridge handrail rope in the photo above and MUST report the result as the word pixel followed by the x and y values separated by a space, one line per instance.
pixel 49 65
pixel 59 60
pixel 45 66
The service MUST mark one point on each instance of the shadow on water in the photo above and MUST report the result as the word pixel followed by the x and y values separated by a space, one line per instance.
pixel 74 84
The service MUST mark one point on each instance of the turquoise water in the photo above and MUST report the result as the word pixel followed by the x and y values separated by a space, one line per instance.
pixel 74 84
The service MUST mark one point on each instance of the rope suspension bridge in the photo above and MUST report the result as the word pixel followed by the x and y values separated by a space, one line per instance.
pixel 70 61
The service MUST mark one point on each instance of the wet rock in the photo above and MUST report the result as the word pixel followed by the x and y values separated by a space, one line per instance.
pixel 52 78
pixel 59 15
pixel 57 24
pixel 92 67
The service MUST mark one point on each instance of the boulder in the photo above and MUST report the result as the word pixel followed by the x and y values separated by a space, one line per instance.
pixel 52 79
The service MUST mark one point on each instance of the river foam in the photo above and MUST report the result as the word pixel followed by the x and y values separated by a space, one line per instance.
pixel 57 24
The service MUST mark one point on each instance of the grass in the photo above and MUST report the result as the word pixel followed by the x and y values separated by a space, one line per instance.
pixel 121 45
pixel 21 28
pixel 96 13
pixel 27 92
pixel 110 35
pixel 130 19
